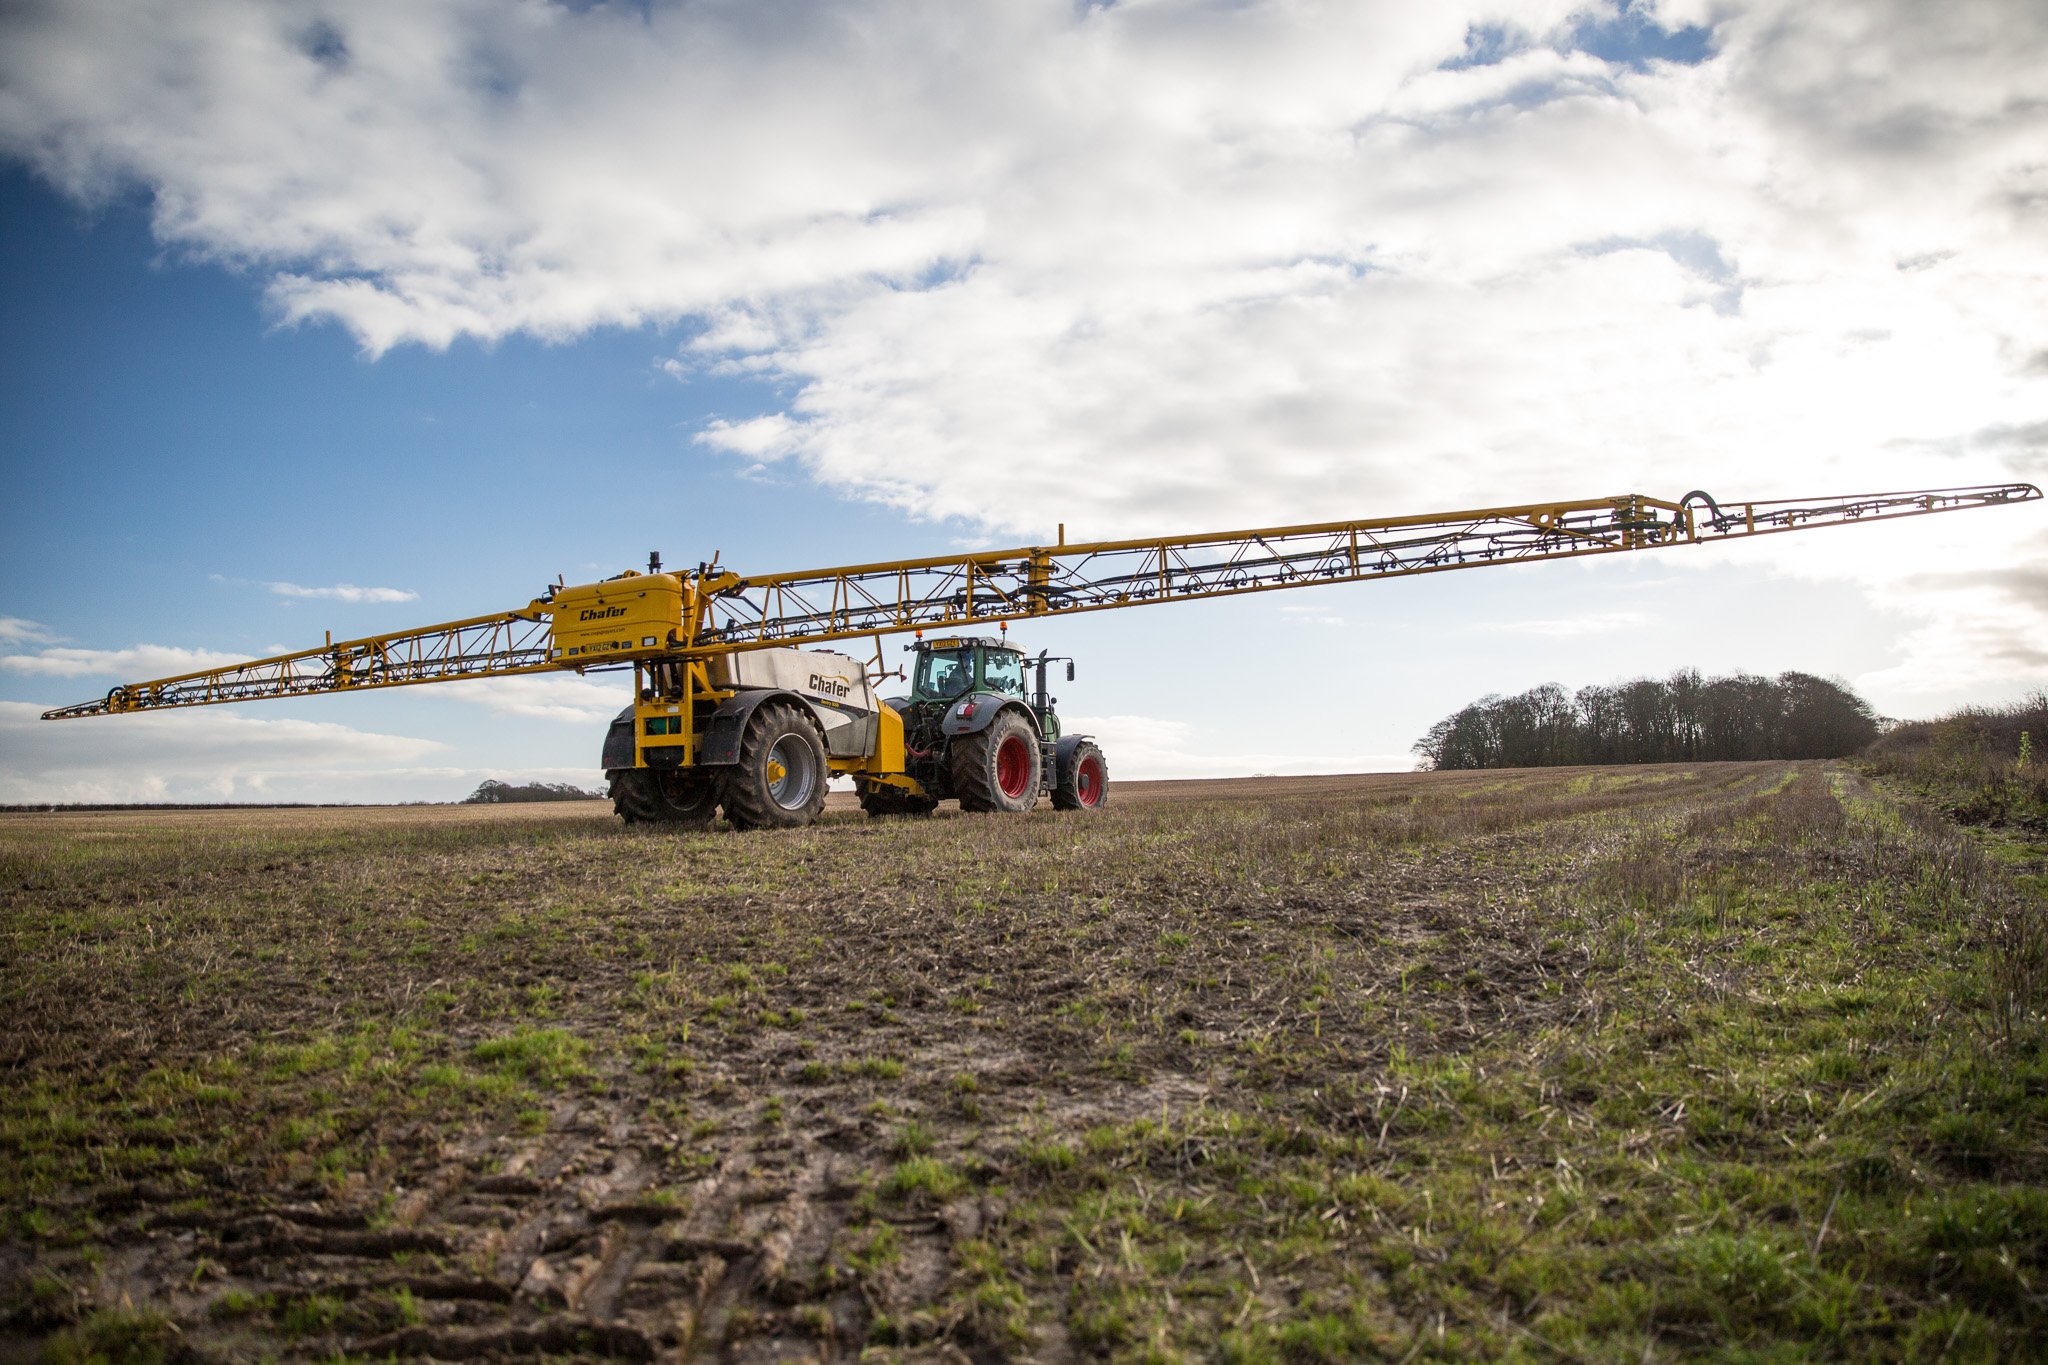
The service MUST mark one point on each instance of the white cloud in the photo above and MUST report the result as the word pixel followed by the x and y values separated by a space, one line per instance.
pixel 134 664
pixel 16 631
pixel 344 592
pixel 1589 623
pixel 1164 265
pixel 203 755
pixel 1974 620
pixel 547 696
pixel 1143 747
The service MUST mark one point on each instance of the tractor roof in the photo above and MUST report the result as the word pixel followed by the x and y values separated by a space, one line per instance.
pixel 969 641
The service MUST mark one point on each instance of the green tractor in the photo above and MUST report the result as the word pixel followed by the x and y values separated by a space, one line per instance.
pixel 973 731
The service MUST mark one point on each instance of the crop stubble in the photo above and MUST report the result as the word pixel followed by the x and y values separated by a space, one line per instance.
pixel 1583 1063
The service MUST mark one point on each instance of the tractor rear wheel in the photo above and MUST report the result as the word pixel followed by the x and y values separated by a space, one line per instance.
pixel 646 796
pixel 779 781
pixel 1085 784
pixel 998 768
pixel 879 799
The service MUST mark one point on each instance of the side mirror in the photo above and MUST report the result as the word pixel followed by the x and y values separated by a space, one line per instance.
pixel 1070 670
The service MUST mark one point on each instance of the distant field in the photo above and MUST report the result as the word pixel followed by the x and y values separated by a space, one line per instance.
pixel 1740 1060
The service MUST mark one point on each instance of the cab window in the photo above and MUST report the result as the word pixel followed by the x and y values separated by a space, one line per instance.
pixel 1003 672
pixel 944 673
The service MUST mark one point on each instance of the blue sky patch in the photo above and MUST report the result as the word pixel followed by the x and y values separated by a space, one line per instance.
pixel 1634 40
pixel 1627 38
pixel 1694 251
pixel 1488 45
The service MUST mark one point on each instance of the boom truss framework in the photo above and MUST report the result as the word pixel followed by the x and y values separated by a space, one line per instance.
pixel 481 647
pixel 1008 585
pixel 819 606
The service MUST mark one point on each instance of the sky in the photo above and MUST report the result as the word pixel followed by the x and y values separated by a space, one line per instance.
pixel 360 317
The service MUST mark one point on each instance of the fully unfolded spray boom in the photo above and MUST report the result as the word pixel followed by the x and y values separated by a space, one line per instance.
pixel 691 740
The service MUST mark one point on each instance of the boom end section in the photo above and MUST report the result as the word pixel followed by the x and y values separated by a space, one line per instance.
pixel 103 706
pixel 481 647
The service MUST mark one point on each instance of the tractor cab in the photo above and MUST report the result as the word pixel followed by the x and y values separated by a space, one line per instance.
pixel 949 669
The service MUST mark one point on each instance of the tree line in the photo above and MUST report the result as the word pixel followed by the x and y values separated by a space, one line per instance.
pixel 493 792
pixel 1686 717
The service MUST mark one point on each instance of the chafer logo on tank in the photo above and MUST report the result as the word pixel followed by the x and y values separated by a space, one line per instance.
pixel 601 613
pixel 832 687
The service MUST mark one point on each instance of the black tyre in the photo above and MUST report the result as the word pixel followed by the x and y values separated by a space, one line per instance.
pixel 645 796
pixel 878 799
pixel 779 782
pixel 1085 783
pixel 998 768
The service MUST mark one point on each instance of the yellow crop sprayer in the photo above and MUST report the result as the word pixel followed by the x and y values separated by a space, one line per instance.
pixel 736 705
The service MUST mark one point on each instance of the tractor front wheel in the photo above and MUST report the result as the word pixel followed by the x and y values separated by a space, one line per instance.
pixel 779 781
pixel 998 768
pixel 1085 783
pixel 645 796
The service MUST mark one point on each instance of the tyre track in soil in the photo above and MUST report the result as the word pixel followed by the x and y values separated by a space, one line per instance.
pixel 562 1244
pixel 580 1243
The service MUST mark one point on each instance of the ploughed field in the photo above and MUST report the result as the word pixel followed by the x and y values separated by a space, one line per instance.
pixel 1568 1064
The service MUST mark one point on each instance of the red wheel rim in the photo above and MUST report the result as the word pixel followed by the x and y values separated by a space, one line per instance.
pixel 1088 781
pixel 1013 766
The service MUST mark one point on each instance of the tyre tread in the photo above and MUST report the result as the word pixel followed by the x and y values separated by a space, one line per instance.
pixel 746 806
pixel 974 780
pixel 1066 792
pixel 638 801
